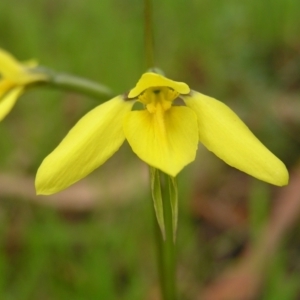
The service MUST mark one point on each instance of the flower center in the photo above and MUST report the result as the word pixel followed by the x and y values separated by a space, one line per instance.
pixel 158 99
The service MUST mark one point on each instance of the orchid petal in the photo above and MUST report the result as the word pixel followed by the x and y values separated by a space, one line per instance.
pixel 20 74
pixel 8 100
pixel 9 66
pixel 222 132
pixel 166 141
pixel 91 142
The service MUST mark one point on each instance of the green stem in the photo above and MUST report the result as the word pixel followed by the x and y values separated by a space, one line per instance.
pixel 166 247
pixel 148 31
pixel 74 83
pixel 165 207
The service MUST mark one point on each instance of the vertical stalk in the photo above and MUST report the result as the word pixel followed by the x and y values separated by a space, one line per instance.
pixel 161 193
pixel 148 31
pixel 166 247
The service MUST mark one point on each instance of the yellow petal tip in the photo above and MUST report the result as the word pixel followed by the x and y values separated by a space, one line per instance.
pixel 282 177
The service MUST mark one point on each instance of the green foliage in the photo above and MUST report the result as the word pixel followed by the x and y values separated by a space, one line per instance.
pixel 281 285
pixel 79 256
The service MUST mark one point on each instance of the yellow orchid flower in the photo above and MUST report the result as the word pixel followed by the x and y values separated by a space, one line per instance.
pixel 163 135
pixel 14 77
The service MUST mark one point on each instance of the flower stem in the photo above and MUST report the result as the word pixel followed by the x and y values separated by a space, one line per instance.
pixel 74 83
pixel 148 31
pixel 166 247
pixel 164 204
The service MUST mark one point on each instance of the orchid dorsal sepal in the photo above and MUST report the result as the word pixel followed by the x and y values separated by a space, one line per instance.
pixel 153 80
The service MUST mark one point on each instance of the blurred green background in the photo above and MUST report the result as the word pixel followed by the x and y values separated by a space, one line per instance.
pixel 95 240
